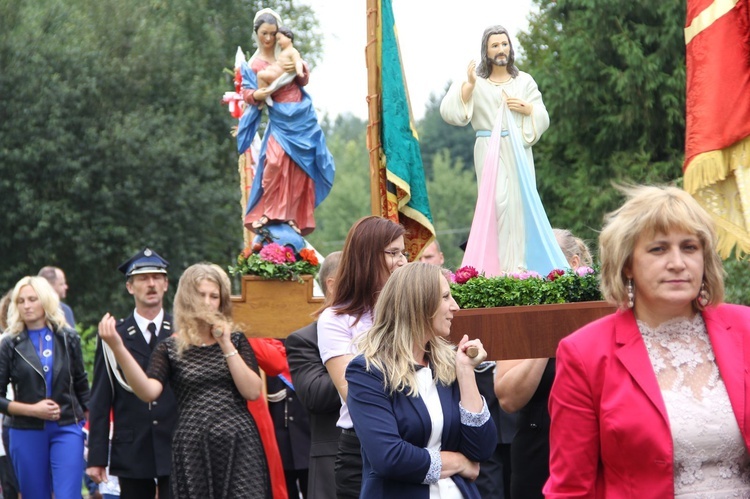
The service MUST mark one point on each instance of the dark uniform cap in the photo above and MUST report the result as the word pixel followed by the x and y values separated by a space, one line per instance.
pixel 144 262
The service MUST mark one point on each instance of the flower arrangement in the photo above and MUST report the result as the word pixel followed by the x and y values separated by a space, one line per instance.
pixel 473 290
pixel 275 261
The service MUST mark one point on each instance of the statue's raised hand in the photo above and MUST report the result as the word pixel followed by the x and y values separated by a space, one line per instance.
pixel 471 72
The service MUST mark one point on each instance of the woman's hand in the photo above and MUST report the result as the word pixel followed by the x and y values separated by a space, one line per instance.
pixel 45 409
pixel 520 106
pixel 223 334
pixel 97 473
pixel 108 331
pixel 455 463
pixel 463 359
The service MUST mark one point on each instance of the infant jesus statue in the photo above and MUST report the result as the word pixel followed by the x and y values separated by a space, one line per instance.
pixel 274 76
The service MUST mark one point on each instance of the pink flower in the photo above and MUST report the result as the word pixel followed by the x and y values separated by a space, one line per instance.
pixel 274 253
pixel 465 273
pixel 289 254
pixel 526 274
pixel 582 271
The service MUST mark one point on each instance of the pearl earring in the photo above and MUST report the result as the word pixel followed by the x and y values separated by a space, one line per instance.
pixel 631 295
pixel 703 295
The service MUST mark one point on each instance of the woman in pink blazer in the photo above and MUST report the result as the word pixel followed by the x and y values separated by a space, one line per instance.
pixel 651 401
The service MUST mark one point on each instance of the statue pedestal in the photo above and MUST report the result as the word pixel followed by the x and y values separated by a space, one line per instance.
pixel 526 332
pixel 273 309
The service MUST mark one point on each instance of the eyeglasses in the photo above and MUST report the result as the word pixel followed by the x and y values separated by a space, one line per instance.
pixel 397 253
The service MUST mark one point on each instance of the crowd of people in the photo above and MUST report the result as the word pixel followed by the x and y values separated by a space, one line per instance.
pixel 372 400
pixel 649 400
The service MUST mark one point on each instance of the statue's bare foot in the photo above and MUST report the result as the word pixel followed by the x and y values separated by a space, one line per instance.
pixel 260 223
pixel 294 226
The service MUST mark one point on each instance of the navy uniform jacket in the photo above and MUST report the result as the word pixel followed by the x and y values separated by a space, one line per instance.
pixel 142 438
pixel 291 423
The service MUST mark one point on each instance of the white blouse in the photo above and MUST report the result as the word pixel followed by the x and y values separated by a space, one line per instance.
pixel 710 458
pixel 445 488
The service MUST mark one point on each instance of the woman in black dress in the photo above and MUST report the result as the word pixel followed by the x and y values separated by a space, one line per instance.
pixel 216 451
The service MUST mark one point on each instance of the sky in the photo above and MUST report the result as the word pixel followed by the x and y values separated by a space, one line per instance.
pixel 437 42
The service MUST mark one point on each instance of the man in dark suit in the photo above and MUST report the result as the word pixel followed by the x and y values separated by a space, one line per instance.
pixel 317 393
pixel 56 277
pixel 142 436
pixel 292 426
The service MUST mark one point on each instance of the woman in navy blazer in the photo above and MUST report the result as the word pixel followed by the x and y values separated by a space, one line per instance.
pixel 413 399
pixel 652 400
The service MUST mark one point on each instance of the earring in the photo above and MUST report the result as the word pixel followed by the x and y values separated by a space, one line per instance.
pixel 631 295
pixel 703 295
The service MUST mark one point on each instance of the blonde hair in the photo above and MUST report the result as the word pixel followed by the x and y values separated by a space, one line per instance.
pixel 190 311
pixel 4 306
pixel 47 296
pixel 403 317
pixel 572 246
pixel 653 210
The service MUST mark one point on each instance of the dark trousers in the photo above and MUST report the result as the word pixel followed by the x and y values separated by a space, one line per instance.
pixel 144 488
pixel 493 481
pixel 348 466
pixel 7 475
pixel 296 483
pixel 321 481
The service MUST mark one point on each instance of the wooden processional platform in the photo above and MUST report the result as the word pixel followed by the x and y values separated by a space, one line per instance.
pixel 274 309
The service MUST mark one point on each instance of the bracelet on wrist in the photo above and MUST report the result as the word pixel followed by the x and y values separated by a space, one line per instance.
pixel 233 352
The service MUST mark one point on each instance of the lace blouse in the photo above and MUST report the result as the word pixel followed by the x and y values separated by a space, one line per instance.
pixel 710 459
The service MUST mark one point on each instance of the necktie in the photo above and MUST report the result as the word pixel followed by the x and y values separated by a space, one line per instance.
pixel 152 329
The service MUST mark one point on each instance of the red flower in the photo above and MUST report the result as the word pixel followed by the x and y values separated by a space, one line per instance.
pixel 247 252
pixel 554 274
pixel 289 254
pixel 465 273
pixel 309 256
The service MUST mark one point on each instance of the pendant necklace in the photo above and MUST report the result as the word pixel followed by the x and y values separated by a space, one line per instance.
pixel 45 349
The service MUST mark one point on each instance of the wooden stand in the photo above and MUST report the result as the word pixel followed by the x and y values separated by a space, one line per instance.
pixel 526 332
pixel 273 309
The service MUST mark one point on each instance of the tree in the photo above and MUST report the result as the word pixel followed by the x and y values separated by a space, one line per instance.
pixel 435 135
pixel 348 201
pixel 613 78
pixel 453 195
pixel 112 137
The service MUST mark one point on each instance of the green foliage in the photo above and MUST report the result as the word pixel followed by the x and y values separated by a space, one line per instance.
pixel 737 281
pixel 435 135
pixel 508 291
pixel 612 75
pixel 88 336
pixel 453 192
pixel 451 188
pixel 112 137
pixel 349 199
